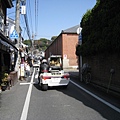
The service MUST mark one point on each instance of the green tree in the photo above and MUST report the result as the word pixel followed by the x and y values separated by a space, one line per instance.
pixel 28 42
pixel 41 44
pixel 53 38
pixel 100 29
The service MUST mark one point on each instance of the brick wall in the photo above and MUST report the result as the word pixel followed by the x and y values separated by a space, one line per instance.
pixel 55 48
pixel 69 48
pixel 100 69
pixel 64 44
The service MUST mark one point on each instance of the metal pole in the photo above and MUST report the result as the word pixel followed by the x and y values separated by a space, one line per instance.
pixel 81 67
pixel 80 40
pixel 80 57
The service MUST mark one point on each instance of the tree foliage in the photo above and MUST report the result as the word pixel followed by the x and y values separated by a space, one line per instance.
pixel 53 38
pixel 42 43
pixel 28 42
pixel 100 29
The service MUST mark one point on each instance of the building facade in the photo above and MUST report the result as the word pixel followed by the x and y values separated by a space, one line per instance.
pixel 7 48
pixel 65 45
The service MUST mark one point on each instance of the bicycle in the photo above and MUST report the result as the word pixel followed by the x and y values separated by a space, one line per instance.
pixel 86 73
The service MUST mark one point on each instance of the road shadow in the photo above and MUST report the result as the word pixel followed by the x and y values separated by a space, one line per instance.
pixel 83 97
pixel 88 101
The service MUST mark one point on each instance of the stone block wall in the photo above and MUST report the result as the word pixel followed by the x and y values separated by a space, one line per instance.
pixel 101 66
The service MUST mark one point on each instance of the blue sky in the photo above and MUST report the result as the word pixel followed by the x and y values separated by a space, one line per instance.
pixel 48 18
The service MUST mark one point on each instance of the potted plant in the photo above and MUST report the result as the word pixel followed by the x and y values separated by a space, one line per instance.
pixel 0 88
pixel 4 81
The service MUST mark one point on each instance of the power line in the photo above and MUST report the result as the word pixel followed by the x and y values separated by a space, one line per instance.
pixel 26 21
pixel 11 13
pixel 30 16
pixel 37 17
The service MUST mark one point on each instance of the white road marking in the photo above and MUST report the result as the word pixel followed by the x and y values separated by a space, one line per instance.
pixel 27 83
pixel 98 98
pixel 27 101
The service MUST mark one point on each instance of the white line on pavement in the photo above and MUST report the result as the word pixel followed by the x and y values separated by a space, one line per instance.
pixel 27 101
pixel 98 98
pixel 27 83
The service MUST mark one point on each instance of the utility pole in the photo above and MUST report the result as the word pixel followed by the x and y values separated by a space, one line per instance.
pixel 17 28
pixel 17 22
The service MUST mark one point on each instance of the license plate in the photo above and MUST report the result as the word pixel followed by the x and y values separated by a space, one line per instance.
pixel 55 80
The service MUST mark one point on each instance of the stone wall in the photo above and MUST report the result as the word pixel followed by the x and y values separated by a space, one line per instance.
pixel 101 65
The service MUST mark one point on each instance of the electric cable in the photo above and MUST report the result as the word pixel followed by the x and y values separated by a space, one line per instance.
pixel 30 17
pixel 37 19
pixel 26 22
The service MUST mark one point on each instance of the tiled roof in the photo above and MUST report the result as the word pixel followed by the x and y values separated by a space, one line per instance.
pixel 71 30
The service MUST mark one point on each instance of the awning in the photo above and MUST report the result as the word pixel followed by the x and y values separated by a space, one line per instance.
pixel 6 44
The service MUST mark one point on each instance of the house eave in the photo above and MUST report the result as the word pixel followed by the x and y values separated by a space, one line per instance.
pixel 9 3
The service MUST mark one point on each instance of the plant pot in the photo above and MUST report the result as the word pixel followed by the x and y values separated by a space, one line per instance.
pixel 0 89
pixel 3 87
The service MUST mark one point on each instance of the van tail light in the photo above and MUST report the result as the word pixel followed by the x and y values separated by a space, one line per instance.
pixel 45 77
pixel 65 77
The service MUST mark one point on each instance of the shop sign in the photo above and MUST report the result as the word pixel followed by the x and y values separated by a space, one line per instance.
pixel 21 69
